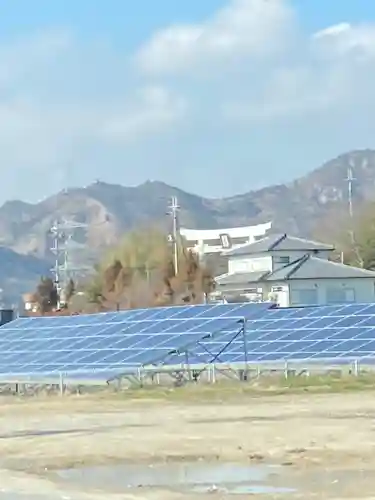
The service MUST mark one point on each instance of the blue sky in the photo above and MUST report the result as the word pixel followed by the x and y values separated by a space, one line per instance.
pixel 216 97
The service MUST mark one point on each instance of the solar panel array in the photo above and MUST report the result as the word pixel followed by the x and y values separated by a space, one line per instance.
pixel 110 343
pixel 107 344
pixel 321 333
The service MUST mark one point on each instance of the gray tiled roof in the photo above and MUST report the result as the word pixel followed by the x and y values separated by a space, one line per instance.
pixel 239 278
pixel 275 242
pixel 310 267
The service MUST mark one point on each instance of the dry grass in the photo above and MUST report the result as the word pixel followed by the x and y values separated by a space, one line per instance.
pixel 228 390
pixel 223 391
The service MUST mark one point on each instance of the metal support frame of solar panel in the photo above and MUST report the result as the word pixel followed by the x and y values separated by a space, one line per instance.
pixel 186 357
pixel 318 335
pixel 196 356
pixel 102 346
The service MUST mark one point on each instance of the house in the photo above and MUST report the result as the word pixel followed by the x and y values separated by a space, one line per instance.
pixel 292 272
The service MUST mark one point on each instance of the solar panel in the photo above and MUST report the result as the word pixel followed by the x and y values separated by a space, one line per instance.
pixel 337 333
pixel 106 344
pixel 110 343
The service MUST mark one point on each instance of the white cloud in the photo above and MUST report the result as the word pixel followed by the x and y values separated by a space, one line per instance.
pixel 246 65
pixel 260 65
pixel 27 55
pixel 253 28
pixel 289 93
pixel 330 70
pixel 154 109
pixel 53 103
pixel 345 40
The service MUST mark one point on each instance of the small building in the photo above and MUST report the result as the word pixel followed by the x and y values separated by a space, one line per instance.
pixel 6 315
pixel 292 271
pixel 30 303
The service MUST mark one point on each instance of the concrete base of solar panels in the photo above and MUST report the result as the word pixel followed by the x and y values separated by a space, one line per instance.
pixel 223 440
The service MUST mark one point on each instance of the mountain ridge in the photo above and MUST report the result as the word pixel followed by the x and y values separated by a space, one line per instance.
pixel 108 210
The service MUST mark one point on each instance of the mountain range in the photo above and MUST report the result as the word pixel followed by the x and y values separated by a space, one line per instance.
pixel 106 211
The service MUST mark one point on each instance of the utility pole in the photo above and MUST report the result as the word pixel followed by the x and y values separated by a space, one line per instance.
pixel 174 209
pixel 57 251
pixel 350 179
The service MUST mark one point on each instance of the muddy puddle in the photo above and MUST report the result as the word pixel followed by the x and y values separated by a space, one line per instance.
pixel 204 478
pixel 183 477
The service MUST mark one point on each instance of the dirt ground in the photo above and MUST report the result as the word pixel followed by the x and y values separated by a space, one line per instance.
pixel 326 442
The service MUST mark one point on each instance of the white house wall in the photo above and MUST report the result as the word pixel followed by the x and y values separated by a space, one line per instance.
pixel 262 288
pixel 249 264
pixel 362 289
pixel 268 262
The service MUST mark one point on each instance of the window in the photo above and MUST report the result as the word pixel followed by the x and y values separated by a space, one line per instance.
pixel 339 295
pixel 304 297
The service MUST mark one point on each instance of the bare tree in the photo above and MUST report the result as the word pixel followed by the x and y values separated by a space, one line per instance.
pixel 46 295
pixel 141 273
